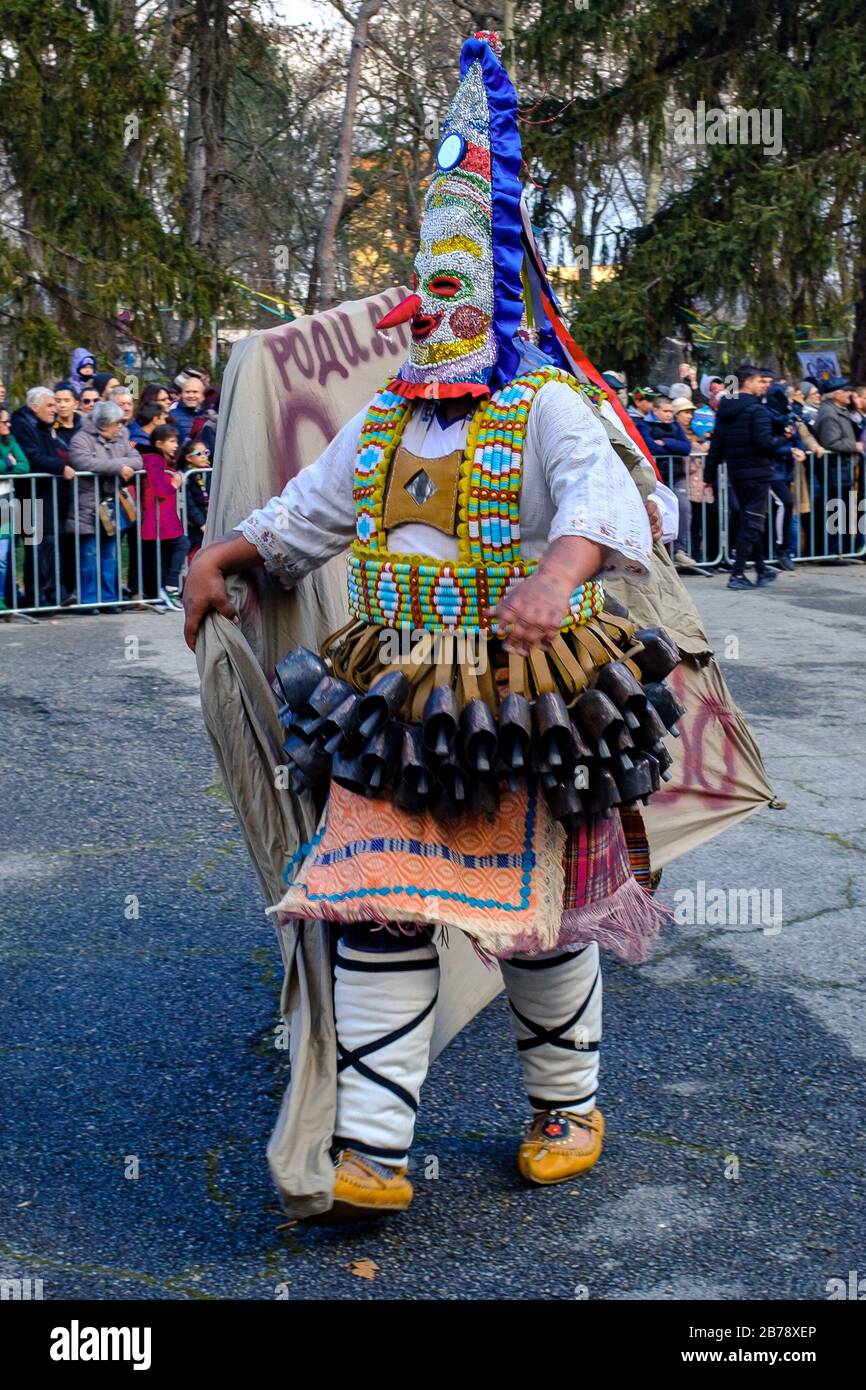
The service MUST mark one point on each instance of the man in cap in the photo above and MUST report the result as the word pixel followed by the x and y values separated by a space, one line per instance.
pixel 743 439
pixel 643 398
pixel 835 429
pixel 616 382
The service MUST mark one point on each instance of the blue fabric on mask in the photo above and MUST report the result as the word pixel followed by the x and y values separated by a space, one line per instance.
pixel 506 163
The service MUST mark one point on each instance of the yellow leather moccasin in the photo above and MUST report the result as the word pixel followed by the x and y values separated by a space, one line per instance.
pixel 363 1187
pixel 560 1145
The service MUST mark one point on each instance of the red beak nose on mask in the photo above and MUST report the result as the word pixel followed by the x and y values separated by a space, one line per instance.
pixel 405 310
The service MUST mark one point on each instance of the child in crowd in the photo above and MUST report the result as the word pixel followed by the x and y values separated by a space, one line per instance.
pixel 193 456
pixel 163 543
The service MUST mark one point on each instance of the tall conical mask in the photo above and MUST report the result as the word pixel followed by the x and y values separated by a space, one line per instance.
pixel 467 298
pixel 483 309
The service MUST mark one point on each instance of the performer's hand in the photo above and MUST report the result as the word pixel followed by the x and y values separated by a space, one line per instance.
pixel 533 612
pixel 205 588
pixel 655 519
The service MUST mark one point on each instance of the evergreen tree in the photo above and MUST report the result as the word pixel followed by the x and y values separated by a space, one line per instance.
pixel 772 239
pixel 93 245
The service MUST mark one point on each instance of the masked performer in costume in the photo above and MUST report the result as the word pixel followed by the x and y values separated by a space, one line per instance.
pixel 487 723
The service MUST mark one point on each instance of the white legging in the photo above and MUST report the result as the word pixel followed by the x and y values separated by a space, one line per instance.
pixel 555 1000
pixel 384 1002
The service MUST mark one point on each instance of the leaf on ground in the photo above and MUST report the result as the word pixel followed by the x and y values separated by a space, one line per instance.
pixel 364 1269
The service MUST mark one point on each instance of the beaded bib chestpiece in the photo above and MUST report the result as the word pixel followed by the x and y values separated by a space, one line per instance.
pixel 397 590
pixel 445 721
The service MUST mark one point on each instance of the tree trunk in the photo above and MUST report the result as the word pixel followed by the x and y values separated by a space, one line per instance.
pixel 858 342
pixel 194 156
pixel 214 72
pixel 321 294
pixel 653 183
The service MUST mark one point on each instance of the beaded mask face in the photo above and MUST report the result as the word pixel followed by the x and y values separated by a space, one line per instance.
pixel 452 329
pixel 467 300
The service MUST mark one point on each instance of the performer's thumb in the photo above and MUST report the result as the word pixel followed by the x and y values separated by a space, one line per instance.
pixel 224 605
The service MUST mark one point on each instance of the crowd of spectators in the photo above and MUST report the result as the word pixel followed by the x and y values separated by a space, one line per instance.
pixel 111 470
pixel 119 501
pixel 798 445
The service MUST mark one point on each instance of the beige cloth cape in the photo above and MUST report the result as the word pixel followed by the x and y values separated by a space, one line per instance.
pixel 285 394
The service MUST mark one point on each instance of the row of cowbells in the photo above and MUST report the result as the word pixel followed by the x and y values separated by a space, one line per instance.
pixel 605 748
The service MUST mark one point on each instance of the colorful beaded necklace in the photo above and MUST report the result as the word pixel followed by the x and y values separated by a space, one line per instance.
pixel 397 590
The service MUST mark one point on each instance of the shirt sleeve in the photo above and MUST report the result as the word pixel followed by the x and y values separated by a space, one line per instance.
pixel 592 490
pixel 669 507
pixel 314 516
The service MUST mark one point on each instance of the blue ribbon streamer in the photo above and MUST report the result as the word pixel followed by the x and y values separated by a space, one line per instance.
pixel 506 162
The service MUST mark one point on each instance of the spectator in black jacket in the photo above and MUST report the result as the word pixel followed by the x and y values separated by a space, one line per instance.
pixel 744 440
pixel 784 426
pixel 33 427
pixel 67 420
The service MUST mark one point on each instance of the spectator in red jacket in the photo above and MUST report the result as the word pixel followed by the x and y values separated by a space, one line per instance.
pixel 163 543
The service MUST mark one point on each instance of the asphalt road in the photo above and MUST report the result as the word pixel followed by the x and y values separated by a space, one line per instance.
pixel 140 1080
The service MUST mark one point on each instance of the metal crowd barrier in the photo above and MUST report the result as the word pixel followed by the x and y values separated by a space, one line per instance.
pixel 704 543
pixel 51 561
pixel 835 480
pixel 48 560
